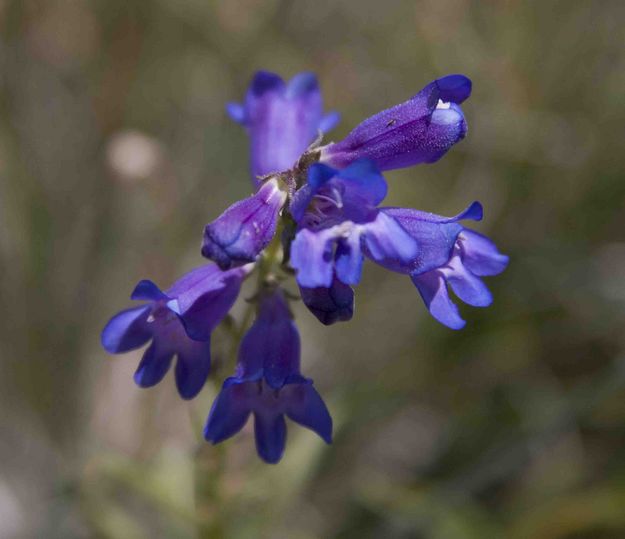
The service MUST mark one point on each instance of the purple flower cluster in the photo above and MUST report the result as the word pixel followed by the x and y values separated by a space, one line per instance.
pixel 316 212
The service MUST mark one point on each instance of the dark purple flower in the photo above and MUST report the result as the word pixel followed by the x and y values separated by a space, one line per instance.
pixel 450 254
pixel 332 304
pixel 179 322
pixel 268 384
pixel 240 233
pixel 338 221
pixel 282 120
pixel 421 130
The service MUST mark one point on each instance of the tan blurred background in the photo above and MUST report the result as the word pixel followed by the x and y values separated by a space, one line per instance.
pixel 115 151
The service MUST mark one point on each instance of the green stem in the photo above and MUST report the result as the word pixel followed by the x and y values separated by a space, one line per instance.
pixel 209 464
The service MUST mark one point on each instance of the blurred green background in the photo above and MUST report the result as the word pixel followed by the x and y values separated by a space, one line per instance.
pixel 115 151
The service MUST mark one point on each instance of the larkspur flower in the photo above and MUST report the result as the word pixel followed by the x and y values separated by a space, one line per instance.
pixel 421 130
pixel 178 322
pixel 282 120
pixel 239 234
pixel 268 384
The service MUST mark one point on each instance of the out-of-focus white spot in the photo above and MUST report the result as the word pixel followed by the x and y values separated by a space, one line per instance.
pixel 134 156
pixel 442 105
pixel 11 513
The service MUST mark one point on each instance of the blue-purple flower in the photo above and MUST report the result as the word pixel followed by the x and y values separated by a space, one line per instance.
pixel 449 254
pixel 268 384
pixel 330 304
pixel 239 234
pixel 178 322
pixel 282 120
pixel 339 222
pixel 421 130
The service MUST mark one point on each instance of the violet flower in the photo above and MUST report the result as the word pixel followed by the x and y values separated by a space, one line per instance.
pixel 448 254
pixel 268 384
pixel 338 222
pixel 178 322
pixel 421 130
pixel 281 119
pixel 240 233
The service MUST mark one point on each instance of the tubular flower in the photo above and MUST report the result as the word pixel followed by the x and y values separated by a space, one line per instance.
pixel 338 222
pixel 268 384
pixel 421 130
pixel 239 234
pixel 448 254
pixel 178 322
pixel 282 120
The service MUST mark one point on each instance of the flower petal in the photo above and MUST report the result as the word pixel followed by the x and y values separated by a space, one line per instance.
pixel 433 290
pixel 153 366
pixel 480 255
pixel 265 81
pixel 236 111
pixel 192 367
pixel 311 257
pixel 272 344
pixel 203 297
pixel 454 88
pixel 229 412
pixel 284 352
pixel 348 259
pixel 318 175
pixel 146 290
pixel 332 304
pixel 405 216
pixel 465 285
pixel 197 282
pixel 363 182
pixel 385 240
pixel 270 434
pixel 302 84
pixel 306 407
pixel 329 121
pixel 127 330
